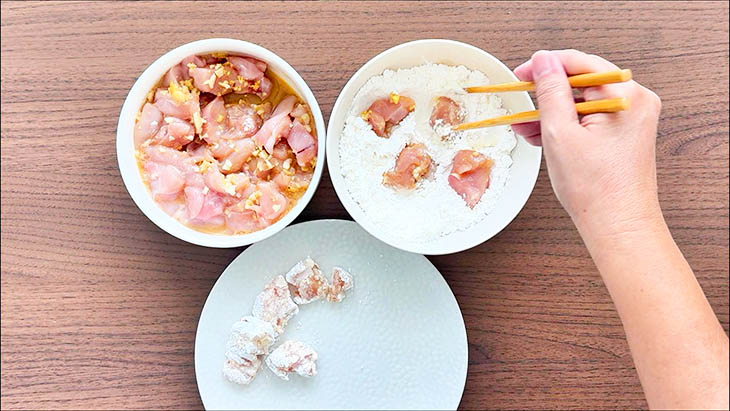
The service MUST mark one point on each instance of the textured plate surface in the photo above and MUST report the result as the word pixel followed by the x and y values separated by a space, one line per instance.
pixel 397 341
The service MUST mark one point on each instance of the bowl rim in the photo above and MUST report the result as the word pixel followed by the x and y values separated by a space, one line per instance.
pixel 351 205
pixel 125 150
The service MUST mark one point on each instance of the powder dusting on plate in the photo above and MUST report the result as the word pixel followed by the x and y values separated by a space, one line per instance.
pixel 433 209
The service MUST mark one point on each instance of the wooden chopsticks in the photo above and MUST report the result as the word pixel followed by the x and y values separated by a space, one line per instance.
pixel 610 105
pixel 581 80
pixel 578 81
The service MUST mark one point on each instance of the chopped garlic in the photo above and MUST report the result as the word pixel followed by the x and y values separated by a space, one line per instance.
pixel 253 199
pixel 365 115
pixel 227 165
pixel 198 121
pixel 211 81
pixel 395 98
pixel 179 94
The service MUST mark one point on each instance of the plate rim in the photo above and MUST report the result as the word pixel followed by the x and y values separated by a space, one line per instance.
pixel 358 226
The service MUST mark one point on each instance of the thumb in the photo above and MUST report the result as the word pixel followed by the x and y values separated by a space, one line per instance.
pixel 554 95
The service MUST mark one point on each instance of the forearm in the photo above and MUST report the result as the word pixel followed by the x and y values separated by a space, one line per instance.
pixel 679 348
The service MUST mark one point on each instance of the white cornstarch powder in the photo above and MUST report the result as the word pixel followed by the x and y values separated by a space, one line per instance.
pixel 433 209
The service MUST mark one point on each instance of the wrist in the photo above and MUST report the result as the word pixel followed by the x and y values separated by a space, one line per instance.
pixel 629 220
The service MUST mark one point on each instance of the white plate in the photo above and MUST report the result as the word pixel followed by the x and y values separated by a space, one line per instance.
pixel 397 341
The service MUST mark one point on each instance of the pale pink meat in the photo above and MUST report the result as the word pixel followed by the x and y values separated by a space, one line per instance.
pixel 244 221
pixel 302 143
pixel 384 113
pixel 166 181
pixel 242 150
pixel 194 199
pixel 196 60
pixel 212 209
pixel 216 120
pixel 271 204
pixel 247 67
pixel 176 74
pixel 446 111
pixel 232 122
pixel 470 175
pixel 217 79
pixel 150 121
pixel 199 164
pixel 165 155
pixel 242 120
pixel 170 107
pixel 264 89
pixel 215 180
pixel 175 133
pixel 411 165
pixel 286 105
pixel 273 129
pixel 281 151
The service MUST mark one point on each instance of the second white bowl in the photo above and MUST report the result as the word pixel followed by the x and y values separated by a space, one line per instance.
pixel 526 158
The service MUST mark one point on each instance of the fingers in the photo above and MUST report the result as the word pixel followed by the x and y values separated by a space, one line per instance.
pixel 574 62
pixel 529 131
pixel 554 95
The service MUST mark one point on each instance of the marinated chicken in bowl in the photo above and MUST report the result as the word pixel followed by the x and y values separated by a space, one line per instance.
pixel 224 145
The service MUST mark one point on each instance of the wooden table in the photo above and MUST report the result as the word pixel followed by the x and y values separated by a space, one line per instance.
pixel 100 307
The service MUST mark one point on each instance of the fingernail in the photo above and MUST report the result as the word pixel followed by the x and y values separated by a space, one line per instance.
pixel 545 63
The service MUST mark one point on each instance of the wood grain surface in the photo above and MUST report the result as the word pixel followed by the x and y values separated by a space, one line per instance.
pixel 100 307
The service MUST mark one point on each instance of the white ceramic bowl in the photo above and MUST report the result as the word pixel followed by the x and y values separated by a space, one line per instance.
pixel 526 158
pixel 125 146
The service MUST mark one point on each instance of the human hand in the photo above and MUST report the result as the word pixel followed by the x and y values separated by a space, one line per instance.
pixel 602 166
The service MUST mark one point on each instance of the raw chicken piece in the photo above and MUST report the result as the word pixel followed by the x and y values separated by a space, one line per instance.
pixel 411 165
pixel 293 356
pixel 176 74
pixel 242 122
pixel 248 68
pixel 183 105
pixel 286 105
pixel 218 79
pixel 216 120
pixel 387 112
pixel 197 61
pixel 244 221
pixel 275 305
pixel 470 175
pixel 175 133
pixel 307 281
pixel 166 181
pixel 211 212
pixel 446 111
pixel 240 153
pixel 150 121
pixel 194 198
pixel 241 373
pixel 250 337
pixel 300 113
pixel 269 203
pixel 302 143
pixel 167 155
pixel 276 127
pixel 265 88
pixel 341 282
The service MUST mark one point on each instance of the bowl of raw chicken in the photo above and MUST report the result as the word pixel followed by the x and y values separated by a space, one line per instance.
pixel 401 170
pixel 220 143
